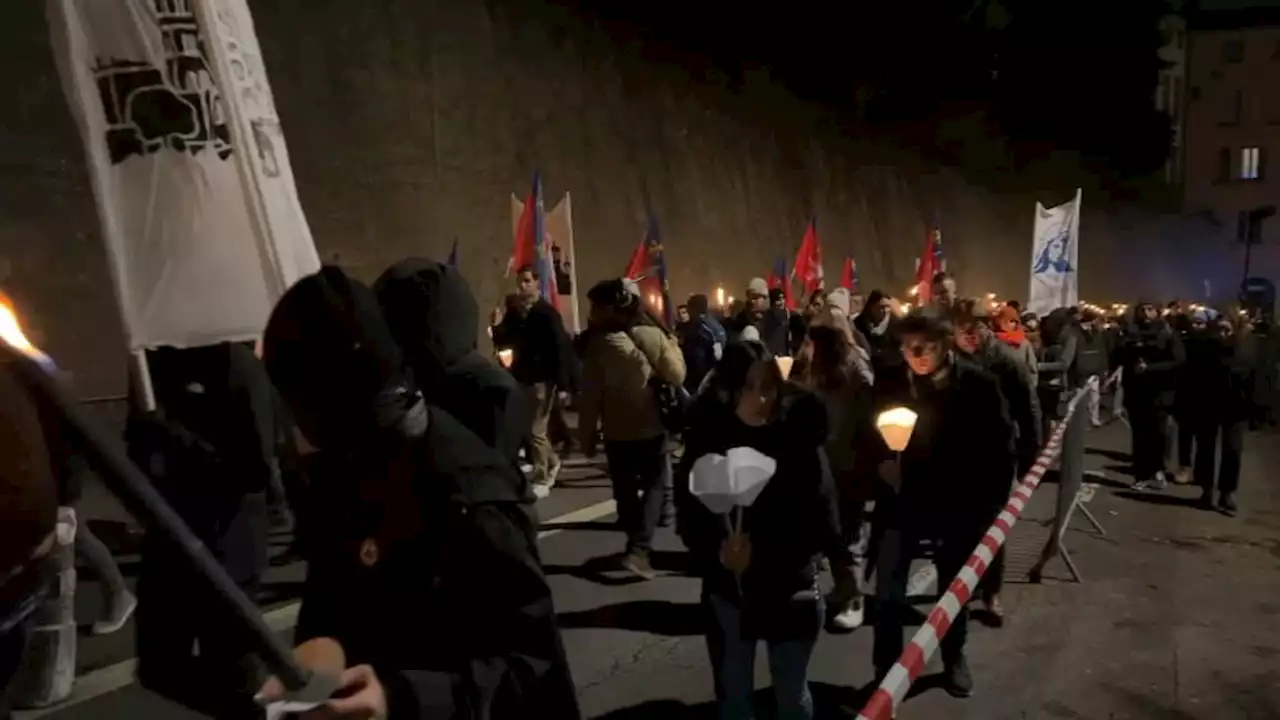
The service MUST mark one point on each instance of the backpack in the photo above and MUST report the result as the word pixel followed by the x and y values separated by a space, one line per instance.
pixel 671 400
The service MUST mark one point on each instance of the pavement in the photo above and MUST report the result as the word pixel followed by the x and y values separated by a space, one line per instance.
pixel 1177 617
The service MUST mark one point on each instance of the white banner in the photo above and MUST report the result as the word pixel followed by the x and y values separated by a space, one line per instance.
pixel 1055 275
pixel 558 223
pixel 198 208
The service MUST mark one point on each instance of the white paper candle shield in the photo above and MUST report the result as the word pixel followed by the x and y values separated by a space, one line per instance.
pixel 506 357
pixel 895 426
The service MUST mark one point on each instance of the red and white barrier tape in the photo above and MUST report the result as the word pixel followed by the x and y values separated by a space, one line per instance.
pixel 888 696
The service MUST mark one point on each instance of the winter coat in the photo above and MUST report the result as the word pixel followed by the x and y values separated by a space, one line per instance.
pixel 958 466
pixel 429 568
pixel 702 341
pixel 1093 354
pixel 433 316
pixel 791 524
pixel 773 325
pixel 1158 346
pixel 542 351
pixel 616 393
pixel 1012 368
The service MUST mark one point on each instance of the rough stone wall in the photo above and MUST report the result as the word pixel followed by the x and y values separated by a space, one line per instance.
pixel 411 123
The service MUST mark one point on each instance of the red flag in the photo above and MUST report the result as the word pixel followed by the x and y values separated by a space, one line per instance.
pixel 849 275
pixel 533 244
pixel 808 264
pixel 927 266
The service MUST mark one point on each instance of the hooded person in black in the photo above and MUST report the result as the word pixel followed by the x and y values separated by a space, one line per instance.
pixel 427 586
pixel 1152 356
pixel 433 317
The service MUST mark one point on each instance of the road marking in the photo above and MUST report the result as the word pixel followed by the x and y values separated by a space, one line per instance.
pixel 114 677
pixel 923 581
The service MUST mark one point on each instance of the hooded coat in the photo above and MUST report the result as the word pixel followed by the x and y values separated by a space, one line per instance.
pixel 433 316
pixel 429 568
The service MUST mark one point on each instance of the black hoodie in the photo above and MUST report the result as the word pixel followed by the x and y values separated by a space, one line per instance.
pixel 429 567
pixel 433 316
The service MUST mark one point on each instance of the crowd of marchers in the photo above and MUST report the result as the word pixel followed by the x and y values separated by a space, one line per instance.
pixel 408 462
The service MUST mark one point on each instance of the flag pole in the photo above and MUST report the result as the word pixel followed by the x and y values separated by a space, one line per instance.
pixel 573 264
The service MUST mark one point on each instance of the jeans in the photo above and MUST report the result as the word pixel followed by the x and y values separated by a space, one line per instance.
pixel 1228 470
pixel 893 570
pixel 102 566
pixel 542 398
pixel 733 659
pixel 640 470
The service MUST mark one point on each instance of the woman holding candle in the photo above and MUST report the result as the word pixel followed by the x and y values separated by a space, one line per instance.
pixel 765 586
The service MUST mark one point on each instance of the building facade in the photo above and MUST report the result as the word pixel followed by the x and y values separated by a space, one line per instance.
pixel 1231 129
pixel 1171 88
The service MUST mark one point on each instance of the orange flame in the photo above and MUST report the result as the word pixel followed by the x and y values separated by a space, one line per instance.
pixel 11 332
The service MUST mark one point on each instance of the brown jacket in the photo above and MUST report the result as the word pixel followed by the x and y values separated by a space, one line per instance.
pixel 615 383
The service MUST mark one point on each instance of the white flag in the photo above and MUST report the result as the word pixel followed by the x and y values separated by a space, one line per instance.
pixel 1055 253
pixel 197 204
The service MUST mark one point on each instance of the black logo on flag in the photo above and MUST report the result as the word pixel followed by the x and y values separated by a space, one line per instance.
pixel 177 106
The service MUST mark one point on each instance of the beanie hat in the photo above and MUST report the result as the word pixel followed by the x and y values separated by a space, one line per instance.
pixel 757 286
pixel 839 299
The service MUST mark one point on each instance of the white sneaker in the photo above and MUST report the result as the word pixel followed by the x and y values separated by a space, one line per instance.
pixel 122 615
pixel 850 618
pixel 553 470
pixel 541 490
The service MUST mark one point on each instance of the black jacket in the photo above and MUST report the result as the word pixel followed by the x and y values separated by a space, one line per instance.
pixel 1217 379
pixel 428 568
pixel 959 465
pixel 1159 347
pixel 791 524
pixel 1093 353
pixel 433 315
pixel 454 614
pixel 541 347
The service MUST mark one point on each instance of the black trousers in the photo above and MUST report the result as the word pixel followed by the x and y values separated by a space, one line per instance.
pixel 1150 426
pixel 893 568
pixel 640 470
pixel 190 648
pixel 13 643
pixel 1207 433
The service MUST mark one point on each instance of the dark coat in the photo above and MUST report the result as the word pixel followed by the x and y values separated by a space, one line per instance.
pixel 433 316
pixel 959 465
pixel 428 568
pixel 792 523
pixel 1159 347
pixel 542 350
pixel 455 616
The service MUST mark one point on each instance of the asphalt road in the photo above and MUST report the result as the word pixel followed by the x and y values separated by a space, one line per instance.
pixel 1178 617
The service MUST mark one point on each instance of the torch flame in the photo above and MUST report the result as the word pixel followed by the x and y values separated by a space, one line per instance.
pixel 13 336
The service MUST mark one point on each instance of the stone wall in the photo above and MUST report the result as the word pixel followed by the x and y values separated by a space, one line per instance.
pixel 411 123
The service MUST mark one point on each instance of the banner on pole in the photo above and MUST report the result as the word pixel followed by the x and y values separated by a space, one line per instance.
pixel 199 212
pixel 1054 257
pixel 558 222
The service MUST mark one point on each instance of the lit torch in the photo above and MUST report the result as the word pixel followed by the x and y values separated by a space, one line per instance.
pixel 34 370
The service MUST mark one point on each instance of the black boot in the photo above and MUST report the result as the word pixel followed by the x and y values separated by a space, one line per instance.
pixel 956 679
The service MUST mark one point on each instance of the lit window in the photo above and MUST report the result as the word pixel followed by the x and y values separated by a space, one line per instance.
pixel 1250 163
